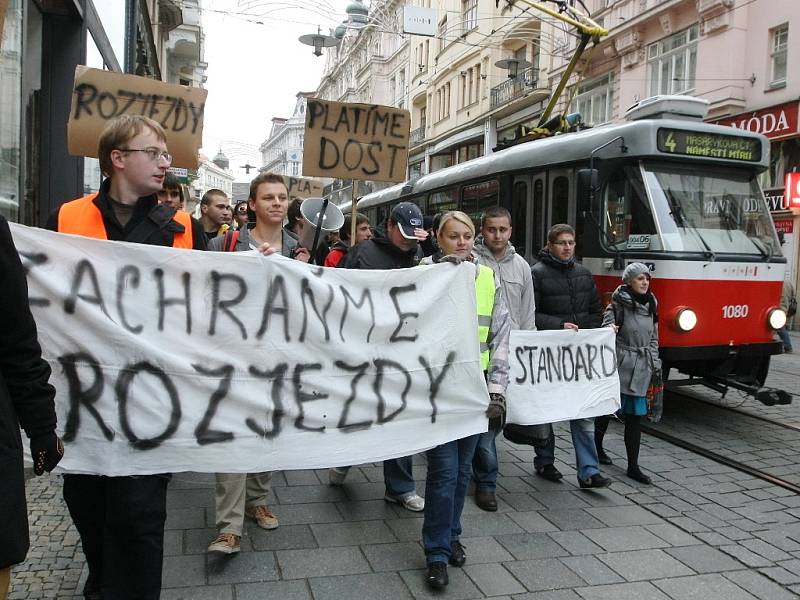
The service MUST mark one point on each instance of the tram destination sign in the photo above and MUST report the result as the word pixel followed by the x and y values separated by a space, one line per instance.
pixel 708 145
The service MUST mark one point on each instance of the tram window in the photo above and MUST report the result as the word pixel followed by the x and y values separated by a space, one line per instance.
pixel 441 202
pixel 538 216
pixel 477 197
pixel 519 216
pixel 560 202
pixel 627 211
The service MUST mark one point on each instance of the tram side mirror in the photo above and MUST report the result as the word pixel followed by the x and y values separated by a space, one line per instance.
pixel 587 184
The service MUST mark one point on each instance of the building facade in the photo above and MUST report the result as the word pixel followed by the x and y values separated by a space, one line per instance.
pixel 282 151
pixel 212 174
pixel 41 44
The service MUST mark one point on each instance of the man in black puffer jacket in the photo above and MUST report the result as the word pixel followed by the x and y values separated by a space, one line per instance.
pixel 566 298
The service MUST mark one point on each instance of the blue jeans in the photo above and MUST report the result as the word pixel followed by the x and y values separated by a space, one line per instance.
pixel 582 431
pixel 399 478
pixel 449 472
pixel 484 464
pixel 785 338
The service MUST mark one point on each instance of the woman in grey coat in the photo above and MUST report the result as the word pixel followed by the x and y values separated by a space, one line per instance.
pixel 634 313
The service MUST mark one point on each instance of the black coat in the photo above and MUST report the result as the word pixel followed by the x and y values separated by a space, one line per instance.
pixel 26 398
pixel 564 294
pixel 379 253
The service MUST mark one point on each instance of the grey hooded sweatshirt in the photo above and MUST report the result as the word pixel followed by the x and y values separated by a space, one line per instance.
pixel 514 275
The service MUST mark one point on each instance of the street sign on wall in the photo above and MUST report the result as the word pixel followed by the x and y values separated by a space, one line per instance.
pixel 418 20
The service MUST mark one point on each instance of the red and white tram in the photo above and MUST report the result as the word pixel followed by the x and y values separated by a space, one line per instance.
pixel 663 188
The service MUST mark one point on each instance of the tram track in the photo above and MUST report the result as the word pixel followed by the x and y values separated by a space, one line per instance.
pixel 662 433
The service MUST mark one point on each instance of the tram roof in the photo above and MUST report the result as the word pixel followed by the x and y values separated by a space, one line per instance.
pixel 640 139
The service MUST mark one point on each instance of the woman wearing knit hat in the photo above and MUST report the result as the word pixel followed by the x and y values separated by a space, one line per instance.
pixel 634 312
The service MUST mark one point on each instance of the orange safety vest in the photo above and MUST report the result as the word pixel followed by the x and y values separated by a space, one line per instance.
pixel 82 217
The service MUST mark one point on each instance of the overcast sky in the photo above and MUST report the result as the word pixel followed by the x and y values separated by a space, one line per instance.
pixel 255 70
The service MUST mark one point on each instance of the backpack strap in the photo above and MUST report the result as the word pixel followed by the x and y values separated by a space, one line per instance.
pixel 230 240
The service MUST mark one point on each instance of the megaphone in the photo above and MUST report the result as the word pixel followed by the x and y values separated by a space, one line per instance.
pixel 321 217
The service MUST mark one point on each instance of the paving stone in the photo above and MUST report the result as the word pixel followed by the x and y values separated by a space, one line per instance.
pixel 184 571
pixel 486 524
pixel 623 516
pixel 274 590
pixel 301 514
pixel 363 510
pixel 622 591
pixel 780 575
pixel 406 530
pixel 625 538
pixel 561 500
pixel 704 559
pixel 672 535
pixel 485 550
pixel 459 588
pixel 743 555
pixel 545 574
pixel 766 550
pixel 352 533
pixel 575 542
pixel 285 537
pixel 186 518
pixel 305 494
pixel 173 542
pixel 702 587
pixel 372 585
pixel 549 595
pixel 532 522
pixel 217 592
pixel 303 477
pixel 402 556
pixel 640 565
pixel 493 579
pixel 591 570
pixel 522 502
pixel 526 546
pixel 245 567
pixel 576 518
pixel 321 562
pixel 758 585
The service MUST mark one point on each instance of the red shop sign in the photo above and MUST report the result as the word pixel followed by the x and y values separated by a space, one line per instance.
pixel 784 225
pixel 792 193
pixel 774 122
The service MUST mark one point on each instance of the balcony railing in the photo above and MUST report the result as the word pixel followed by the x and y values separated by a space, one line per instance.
pixel 512 89
pixel 417 135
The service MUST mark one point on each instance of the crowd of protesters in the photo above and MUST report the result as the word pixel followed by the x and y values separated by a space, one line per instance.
pixel 121 519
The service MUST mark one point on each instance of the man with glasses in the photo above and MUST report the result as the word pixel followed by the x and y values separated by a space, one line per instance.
pixel 121 519
pixel 566 297
pixel 215 213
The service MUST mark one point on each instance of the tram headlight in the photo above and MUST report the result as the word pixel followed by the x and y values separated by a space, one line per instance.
pixel 686 319
pixel 776 318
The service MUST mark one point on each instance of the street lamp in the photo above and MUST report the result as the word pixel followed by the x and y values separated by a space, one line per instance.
pixel 318 41
pixel 513 65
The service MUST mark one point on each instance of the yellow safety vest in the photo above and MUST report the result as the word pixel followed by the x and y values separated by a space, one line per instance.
pixel 484 294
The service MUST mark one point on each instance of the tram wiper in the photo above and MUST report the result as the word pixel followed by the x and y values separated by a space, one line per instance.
pixel 762 249
pixel 682 219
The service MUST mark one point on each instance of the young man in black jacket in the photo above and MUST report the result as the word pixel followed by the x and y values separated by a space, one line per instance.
pixel 26 399
pixel 121 519
pixel 566 298
pixel 392 248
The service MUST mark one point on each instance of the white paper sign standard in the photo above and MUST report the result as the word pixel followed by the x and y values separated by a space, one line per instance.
pixel 561 375
pixel 171 360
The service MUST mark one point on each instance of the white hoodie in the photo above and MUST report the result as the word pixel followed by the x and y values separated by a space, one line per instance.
pixel 514 274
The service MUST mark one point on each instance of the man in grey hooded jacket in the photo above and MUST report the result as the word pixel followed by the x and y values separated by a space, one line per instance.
pixel 494 250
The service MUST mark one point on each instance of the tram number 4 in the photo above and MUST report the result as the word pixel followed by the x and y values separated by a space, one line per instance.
pixel 735 311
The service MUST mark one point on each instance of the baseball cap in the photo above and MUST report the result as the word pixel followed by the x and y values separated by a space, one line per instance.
pixel 408 217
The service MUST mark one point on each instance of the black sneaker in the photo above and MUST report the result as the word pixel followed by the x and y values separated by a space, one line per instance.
pixel 595 481
pixel 636 474
pixel 603 458
pixel 457 555
pixel 437 575
pixel 549 472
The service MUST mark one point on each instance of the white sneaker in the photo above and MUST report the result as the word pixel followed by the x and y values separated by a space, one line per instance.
pixel 336 475
pixel 414 502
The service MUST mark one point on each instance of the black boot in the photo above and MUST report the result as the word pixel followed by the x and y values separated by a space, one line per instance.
pixel 633 440
pixel 635 473
pixel 600 427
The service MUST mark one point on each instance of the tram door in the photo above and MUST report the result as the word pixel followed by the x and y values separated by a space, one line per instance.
pixel 560 201
pixel 527 211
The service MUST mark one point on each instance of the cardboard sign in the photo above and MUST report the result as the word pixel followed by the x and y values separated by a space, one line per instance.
pixel 300 187
pixel 560 375
pixel 356 141
pixel 99 96
pixel 167 360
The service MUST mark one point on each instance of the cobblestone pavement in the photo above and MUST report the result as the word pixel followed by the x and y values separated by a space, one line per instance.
pixel 702 531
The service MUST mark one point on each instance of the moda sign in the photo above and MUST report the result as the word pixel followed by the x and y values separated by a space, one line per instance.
pixel 775 122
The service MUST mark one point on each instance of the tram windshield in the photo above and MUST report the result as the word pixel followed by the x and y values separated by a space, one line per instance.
pixel 679 208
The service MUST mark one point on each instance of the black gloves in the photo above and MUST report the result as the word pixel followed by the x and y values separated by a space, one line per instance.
pixel 46 451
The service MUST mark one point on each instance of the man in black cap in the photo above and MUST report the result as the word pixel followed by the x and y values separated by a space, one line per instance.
pixel 394 247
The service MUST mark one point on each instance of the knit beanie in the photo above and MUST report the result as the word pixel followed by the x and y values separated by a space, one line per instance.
pixel 633 270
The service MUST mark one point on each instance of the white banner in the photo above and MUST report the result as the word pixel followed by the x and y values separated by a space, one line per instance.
pixel 171 360
pixel 561 375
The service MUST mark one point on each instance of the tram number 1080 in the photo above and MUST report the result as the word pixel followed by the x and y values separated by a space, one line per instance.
pixel 735 311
